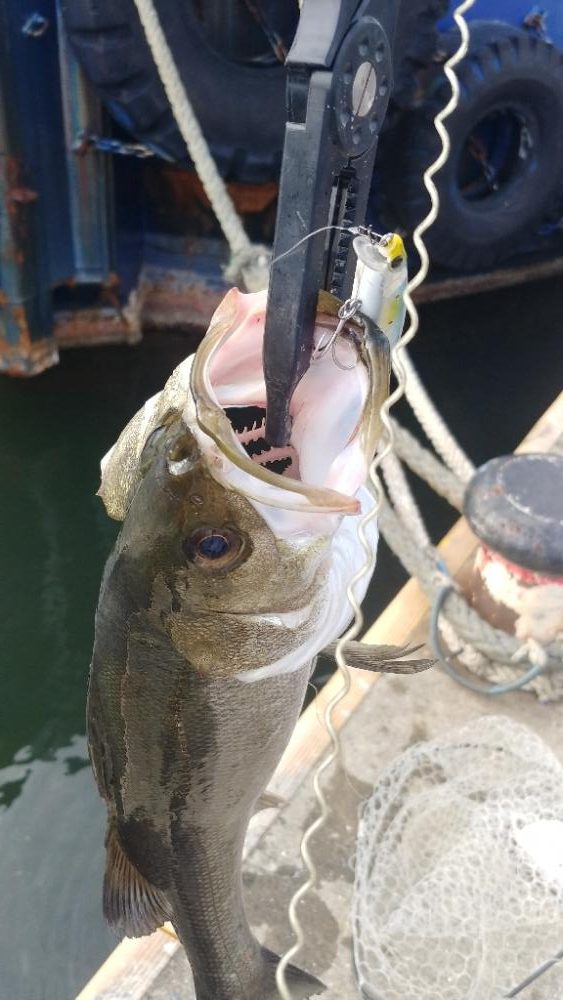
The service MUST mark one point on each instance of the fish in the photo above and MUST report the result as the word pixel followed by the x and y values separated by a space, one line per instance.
pixel 226 580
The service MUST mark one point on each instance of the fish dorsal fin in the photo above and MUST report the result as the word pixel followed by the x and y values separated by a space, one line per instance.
pixel 132 905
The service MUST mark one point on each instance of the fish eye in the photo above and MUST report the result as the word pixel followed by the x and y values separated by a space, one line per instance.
pixel 214 548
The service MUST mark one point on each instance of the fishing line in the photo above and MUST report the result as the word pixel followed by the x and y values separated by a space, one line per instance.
pixel 354 230
pixel 396 395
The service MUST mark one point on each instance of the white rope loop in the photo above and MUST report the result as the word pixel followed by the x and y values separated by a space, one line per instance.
pixel 403 500
pixel 433 424
pixel 429 468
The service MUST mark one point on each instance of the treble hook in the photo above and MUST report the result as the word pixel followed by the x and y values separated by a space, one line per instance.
pixel 347 311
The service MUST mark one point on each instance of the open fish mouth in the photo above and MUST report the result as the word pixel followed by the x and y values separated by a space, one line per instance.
pixel 334 409
pixel 249 423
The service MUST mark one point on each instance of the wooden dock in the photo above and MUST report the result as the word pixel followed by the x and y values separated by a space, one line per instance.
pixel 379 718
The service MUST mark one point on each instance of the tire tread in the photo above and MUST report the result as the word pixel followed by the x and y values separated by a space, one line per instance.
pixel 490 59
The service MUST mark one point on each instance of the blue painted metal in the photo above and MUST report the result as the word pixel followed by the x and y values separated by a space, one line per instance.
pixel 34 90
pixel 116 147
pixel 60 222
pixel 56 212
pixel 88 172
pixel 515 12
pixel 30 163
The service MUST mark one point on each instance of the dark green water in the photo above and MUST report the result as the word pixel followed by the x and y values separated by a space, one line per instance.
pixel 493 364
pixel 55 539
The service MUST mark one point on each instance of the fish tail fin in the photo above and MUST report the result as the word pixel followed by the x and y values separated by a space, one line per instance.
pixel 301 984
pixel 132 905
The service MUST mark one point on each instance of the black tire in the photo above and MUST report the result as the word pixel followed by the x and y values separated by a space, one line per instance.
pixel 416 42
pixel 241 107
pixel 511 87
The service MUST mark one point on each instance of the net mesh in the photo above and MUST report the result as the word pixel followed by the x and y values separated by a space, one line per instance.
pixel 459 870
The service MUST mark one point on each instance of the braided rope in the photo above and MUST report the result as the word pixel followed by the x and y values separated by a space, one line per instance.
pixel 434 425
pixel 427 466
pixel 493 643
pixel 403 500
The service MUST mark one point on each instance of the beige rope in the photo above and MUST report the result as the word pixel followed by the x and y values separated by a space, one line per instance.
pixel 403 500
pixel 433 423
pixel 427 466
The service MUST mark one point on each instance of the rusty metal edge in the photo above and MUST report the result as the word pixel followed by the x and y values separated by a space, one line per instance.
pixel 174 298
pixel 28 358
pixel 100 324
pixel 473 284
pixel 94 327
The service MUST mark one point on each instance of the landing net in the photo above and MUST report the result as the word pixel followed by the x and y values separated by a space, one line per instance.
pixel 459 869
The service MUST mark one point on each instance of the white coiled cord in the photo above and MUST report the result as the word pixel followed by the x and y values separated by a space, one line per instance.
pixel 396 395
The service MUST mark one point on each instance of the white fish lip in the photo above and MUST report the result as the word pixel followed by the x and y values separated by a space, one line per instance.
pixel 333 614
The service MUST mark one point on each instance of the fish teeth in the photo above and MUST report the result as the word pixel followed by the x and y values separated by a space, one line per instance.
pixel 274 455
pixel 253 433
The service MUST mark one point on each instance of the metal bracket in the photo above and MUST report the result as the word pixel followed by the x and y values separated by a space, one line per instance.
pixel 103 144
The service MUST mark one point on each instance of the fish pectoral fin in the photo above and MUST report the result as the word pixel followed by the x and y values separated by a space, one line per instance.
pixel 381 659
pixel 132 905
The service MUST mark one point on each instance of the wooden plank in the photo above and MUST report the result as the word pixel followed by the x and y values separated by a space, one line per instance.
pixel 547 432
pixel 134 964
pixel 131 968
